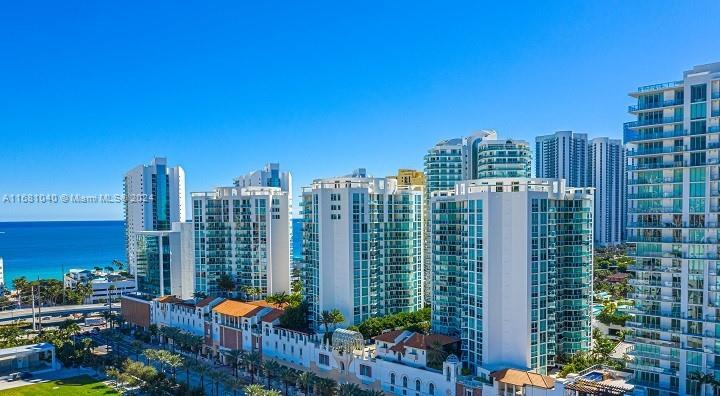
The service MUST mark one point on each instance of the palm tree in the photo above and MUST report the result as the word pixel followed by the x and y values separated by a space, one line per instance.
pixel 279 299
pixel 269 368
pixel 225 283
pixel 288 376
pixel 373 392
pixel 349 389
pixel 235 385
pixel 252 362
pixel 436 354
pixel 326 387
pixel 118 264
pixel 305 381
pixel 150 355
pixel 326 318
pixel 234 357
pixel 137 347
pixel 337 317
pixel 216 377
pixel 704 379
pixel 174 361
pixel 202 369
pixel 254 390
pixel 153 331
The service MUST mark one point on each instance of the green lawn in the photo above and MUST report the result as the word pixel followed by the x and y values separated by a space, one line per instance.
pixel 81 386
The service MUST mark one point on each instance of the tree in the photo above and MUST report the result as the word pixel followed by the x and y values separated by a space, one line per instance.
pixel 337 317
pixel 269 368
pixel 279 299
pixel 349 389
pixel 118 264
pixel 326 319
pixel 235 385
pixel 21 286
pixel 174 361
pixel 297 287
pixel 201 369
pixel 326 387
pixel 373 392
pixel 225 283
pixel 252 362
pixel 295 316
pixel 288 377
pixel 436 355
pixel 254 390
pixel 153 329
pixel 216 377
pixel 702 379
pixel 305 381
pixel 136 347
pixel 234 357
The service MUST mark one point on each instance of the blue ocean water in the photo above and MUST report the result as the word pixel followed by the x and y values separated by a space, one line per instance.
pixel 43 249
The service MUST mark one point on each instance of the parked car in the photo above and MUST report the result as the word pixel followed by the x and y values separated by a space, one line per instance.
pixel 26 375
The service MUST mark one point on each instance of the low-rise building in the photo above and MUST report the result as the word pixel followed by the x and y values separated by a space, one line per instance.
pixel 105 285
pixel 185 315
pixel 33 358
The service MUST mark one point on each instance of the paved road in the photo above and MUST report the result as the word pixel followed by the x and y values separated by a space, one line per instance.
pixel 25 313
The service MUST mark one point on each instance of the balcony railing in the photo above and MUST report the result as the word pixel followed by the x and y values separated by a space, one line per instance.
pixel 658 121
pixel 658 105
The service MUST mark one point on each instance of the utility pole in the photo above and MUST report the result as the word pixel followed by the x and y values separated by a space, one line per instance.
pixel 39 306
pixel 62 268
pixel 32 299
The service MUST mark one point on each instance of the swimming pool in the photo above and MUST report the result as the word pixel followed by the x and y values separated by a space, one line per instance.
pixel 597 308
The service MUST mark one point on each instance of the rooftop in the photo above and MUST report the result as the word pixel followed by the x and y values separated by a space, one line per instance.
pixel 45 346
pixel 237 308
pixel 522 378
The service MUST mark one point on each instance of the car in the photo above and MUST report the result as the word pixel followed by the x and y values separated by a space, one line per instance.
pixel 96 330
pixel 25 375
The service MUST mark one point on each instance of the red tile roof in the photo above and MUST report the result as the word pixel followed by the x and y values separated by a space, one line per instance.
pixel 237 308
pixel 205 302
pixel 169 300
pixel 388 336
pixel 522 378
pixel 273 315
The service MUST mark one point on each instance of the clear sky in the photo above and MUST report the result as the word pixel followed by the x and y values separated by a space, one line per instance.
pixel 90 89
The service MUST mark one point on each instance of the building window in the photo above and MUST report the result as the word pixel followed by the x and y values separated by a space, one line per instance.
pixel 405 382
pixel 417 385
pixel 431 389
pixel 324 359
pixel 392 378
pixel 365 371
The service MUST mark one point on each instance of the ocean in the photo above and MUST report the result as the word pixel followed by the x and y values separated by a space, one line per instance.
pixel 44 248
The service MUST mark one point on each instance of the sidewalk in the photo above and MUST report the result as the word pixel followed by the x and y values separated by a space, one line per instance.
pixel 48 376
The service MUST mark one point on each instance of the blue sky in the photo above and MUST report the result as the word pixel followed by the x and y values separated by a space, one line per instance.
pixel 90 89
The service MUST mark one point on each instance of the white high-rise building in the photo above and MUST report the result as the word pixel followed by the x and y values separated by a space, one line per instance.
pixel 597 163
pixel 242 233
pixel 512 270
pixel 562 155
pixel 166 261
pixel 606 173
pixel 673 177
pixel 363 246
pixel 154 199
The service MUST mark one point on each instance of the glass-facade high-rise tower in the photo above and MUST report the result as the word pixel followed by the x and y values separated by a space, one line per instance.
pixel 512 270
pixel 154 199
pixel 363 250
pixel 673 215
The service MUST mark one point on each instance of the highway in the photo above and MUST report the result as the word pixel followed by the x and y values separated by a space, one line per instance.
pixel 26 313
